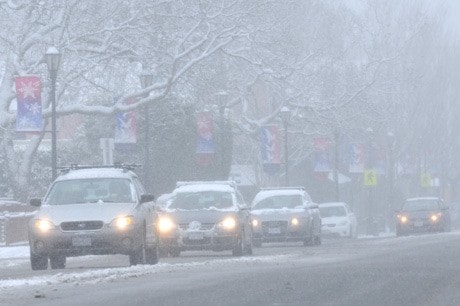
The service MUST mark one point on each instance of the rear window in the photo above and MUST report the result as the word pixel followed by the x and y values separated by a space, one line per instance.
pixel 279 202
pixel 201 200
pixel 332 211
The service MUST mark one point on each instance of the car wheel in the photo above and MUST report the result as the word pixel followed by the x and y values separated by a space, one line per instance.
pixel 152 255
pixel 175 252
pixel 38 262
pixel 238 247
pixel 57 261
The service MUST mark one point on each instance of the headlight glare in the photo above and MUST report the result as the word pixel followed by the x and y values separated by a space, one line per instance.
pixel 403 219
pixel 255 222
pixel 44 225
pixel 294 221
pixel 228 223
pixel 166 224
pixel 123 222
pixel 434 218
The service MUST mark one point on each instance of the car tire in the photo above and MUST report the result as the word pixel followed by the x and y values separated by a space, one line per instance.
pixel 238 247
pixel 38 262
pixel 152 255
pixel 57 261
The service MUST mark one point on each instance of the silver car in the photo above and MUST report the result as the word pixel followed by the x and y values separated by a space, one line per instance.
pixel 95 211
pixel 285 214
pixel 205 216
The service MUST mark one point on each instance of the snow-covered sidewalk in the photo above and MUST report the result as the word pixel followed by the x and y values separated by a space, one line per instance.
pixel 12 252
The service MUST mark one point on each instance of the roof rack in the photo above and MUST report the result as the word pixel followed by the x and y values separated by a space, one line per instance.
pixel 283 188
pixel 125 167
pixel 185 183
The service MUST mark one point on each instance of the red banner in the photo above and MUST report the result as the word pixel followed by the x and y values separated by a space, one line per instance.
pixel 29 104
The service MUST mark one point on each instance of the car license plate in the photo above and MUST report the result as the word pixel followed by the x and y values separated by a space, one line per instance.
pixel 274 230
pixel 81 241
pixel 418 223
pixel 195 236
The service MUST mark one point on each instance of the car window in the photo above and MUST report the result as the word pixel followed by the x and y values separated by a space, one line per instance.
pixel 78 191
pixel 332 211
pixel 201 200
pixel 279 201
pixel 422 204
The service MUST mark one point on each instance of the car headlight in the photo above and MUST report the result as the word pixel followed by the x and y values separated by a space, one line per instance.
pixel 403 219
pixel 255 223
pixel 228 223
pixel 343 223
pixel 435 217
pixel 122 223
pixel 294 221
pixel 44 225
pixel 166 225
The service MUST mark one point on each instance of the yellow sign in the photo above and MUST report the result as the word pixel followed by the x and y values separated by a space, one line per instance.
pixel 370 178
pixel 425 180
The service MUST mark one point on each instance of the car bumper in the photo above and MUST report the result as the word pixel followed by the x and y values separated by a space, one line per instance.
pixel 199 240
pixel 421 226
pixel 75 243
pixel 280 233
pixel 335 231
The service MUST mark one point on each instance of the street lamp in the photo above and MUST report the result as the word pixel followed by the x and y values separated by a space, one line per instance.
pixel 286 116
pixel 370 221
pixel 53 59
pixel 222 103
pixel 146 79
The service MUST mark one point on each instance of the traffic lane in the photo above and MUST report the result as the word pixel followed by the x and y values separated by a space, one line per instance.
pixel 417 270
pixel 20 268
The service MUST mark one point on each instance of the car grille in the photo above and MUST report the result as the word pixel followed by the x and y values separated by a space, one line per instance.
pixel 268 226
pixel 204 226
pixel 82 225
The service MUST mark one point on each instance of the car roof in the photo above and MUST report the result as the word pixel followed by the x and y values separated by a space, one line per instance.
pixel 332 204
pixel 96 173
pixel 204 186
pixel 422 198
pixel 267 193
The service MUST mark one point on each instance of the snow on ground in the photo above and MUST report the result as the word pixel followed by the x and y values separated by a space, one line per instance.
pixel 112 274
pixel 12 252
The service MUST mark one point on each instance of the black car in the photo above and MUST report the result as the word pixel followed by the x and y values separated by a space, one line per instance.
pixel 422 215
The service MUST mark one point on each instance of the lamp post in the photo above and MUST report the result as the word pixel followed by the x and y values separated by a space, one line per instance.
pixel 53 59
pixel 285 116
pixel 370 221
pixel 391 175
pixel 146 79
pixel 336 165
pixel 222 103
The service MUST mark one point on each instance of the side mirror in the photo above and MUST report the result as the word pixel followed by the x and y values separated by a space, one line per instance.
pixel 36 202
pixel 147 198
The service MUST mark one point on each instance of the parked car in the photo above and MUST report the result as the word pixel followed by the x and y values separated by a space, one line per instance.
pixel 209 215
pixel 337 220
pixel 422 214
pixel 93 210
pixel 285 214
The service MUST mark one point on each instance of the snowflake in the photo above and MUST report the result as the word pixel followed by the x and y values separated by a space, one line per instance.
pixel 29 89
pixel 34 108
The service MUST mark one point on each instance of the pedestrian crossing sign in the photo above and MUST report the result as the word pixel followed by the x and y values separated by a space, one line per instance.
pixel 370 178
pixel 425 180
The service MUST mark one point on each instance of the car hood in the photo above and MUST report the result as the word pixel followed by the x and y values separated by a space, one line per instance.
pixel 419 213
pixel 105 212
pixel 202 216
pixel 332 220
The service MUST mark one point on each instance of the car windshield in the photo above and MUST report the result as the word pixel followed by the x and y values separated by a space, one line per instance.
pixel 201 200
pixel 78 191
pixel 279 202
pixel 332 211
pixel 422 204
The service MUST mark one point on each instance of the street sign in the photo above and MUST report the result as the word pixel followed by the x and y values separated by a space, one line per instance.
pixel 425 180
pixel 370 177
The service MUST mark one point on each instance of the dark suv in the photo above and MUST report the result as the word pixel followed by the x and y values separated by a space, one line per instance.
pixel 205 216
pixel 422 214
pixel 94 210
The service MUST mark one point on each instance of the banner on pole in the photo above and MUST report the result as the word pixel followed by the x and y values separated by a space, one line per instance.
pixel 205 142
pixel 126 126
pixel 357 158
pixel 29 104
pixel 270 148
pixel 322 147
